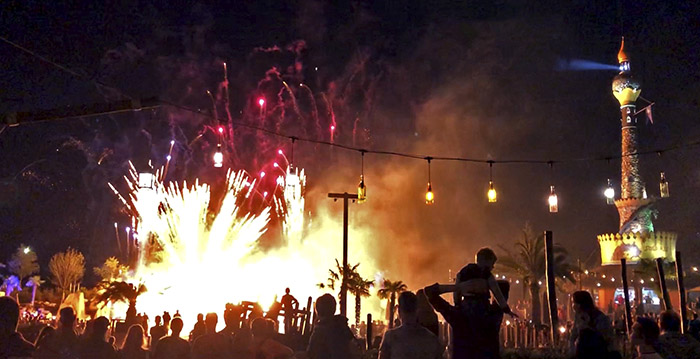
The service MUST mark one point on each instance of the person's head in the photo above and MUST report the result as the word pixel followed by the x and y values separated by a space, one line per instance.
pixel 66 317
pixel 134 338
pixel 100 327
pixel 325 306
pixel 486 258
pixel 176 326
pixel 9 315
pixel 408 307
pixel 200 317
pixel 158 320
pixel 670 321
pixel 582 301
pixel 644 332
pixel 286 290
pixel 210 322
pixel 504 286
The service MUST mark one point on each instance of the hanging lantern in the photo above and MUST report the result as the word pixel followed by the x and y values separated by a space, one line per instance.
pixel 361 190
pixel 609 193
pixel 491 194
pixel 553 201
pixel 218 157
pixel 663 186
pixel 429 196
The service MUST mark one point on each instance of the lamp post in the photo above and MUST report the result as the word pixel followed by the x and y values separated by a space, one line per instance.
pixel 344 285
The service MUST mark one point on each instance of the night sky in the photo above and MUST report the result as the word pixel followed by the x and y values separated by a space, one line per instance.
pixel 479 79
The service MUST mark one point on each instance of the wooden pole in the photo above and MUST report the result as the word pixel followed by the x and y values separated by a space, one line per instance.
pixel 681 291
pixel 625 287
pixel 344 284
pixel 307 320
pixel 551 288
pixel 662 283
pixel 368 334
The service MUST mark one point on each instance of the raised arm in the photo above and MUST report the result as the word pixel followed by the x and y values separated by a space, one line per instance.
pixel 502 302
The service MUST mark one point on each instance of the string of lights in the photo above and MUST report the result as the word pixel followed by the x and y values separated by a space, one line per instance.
pixel 362 189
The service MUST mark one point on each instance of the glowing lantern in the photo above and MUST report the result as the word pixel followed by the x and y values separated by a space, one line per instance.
pixel 553 201
pixel 491 194
pixel 663 186
pixel 429 196
pixel 218 157
pixel 361 190
pixel 609 193
pixel 146 180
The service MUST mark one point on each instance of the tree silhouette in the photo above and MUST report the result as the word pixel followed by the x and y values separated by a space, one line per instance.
pixel 527 262
pixel 389 291
pixel 359 287
pixel 67 269
pixel 111 270
pixel 123 292
pixel 23 263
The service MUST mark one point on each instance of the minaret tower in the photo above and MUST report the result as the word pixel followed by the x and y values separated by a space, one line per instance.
pixel 626 90
pixel 636 238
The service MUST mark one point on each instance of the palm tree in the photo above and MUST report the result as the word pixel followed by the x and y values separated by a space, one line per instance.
pixel 34 282
pixel 122 292
pixel 359 287
pixel 24 263
pixel 338 275
pixel 67 269
pixel 389 291
pixel 527 262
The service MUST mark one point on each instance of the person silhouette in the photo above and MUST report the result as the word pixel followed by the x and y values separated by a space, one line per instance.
pixel 133 347
pixel 331 337
pixel 12 344
pixel 289 304
pixel 172 346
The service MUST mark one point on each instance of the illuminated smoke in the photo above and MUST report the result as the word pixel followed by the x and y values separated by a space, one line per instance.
pixel 196 261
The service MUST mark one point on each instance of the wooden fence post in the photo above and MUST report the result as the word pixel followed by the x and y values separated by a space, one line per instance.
pixel 625 287
pixel 681 291
pixel 662 283
pixel 551 287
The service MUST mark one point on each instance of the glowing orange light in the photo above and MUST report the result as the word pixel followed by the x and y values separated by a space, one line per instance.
pixel 429 195
pixel 491 194
pixel 361 190
pixel 553 201
pixel 332 128
pixel 261 102
pixel 221 129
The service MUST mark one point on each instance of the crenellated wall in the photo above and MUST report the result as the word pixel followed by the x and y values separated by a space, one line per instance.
pixel 636 246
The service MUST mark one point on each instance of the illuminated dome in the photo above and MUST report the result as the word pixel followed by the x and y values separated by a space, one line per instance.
pixel 626 88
